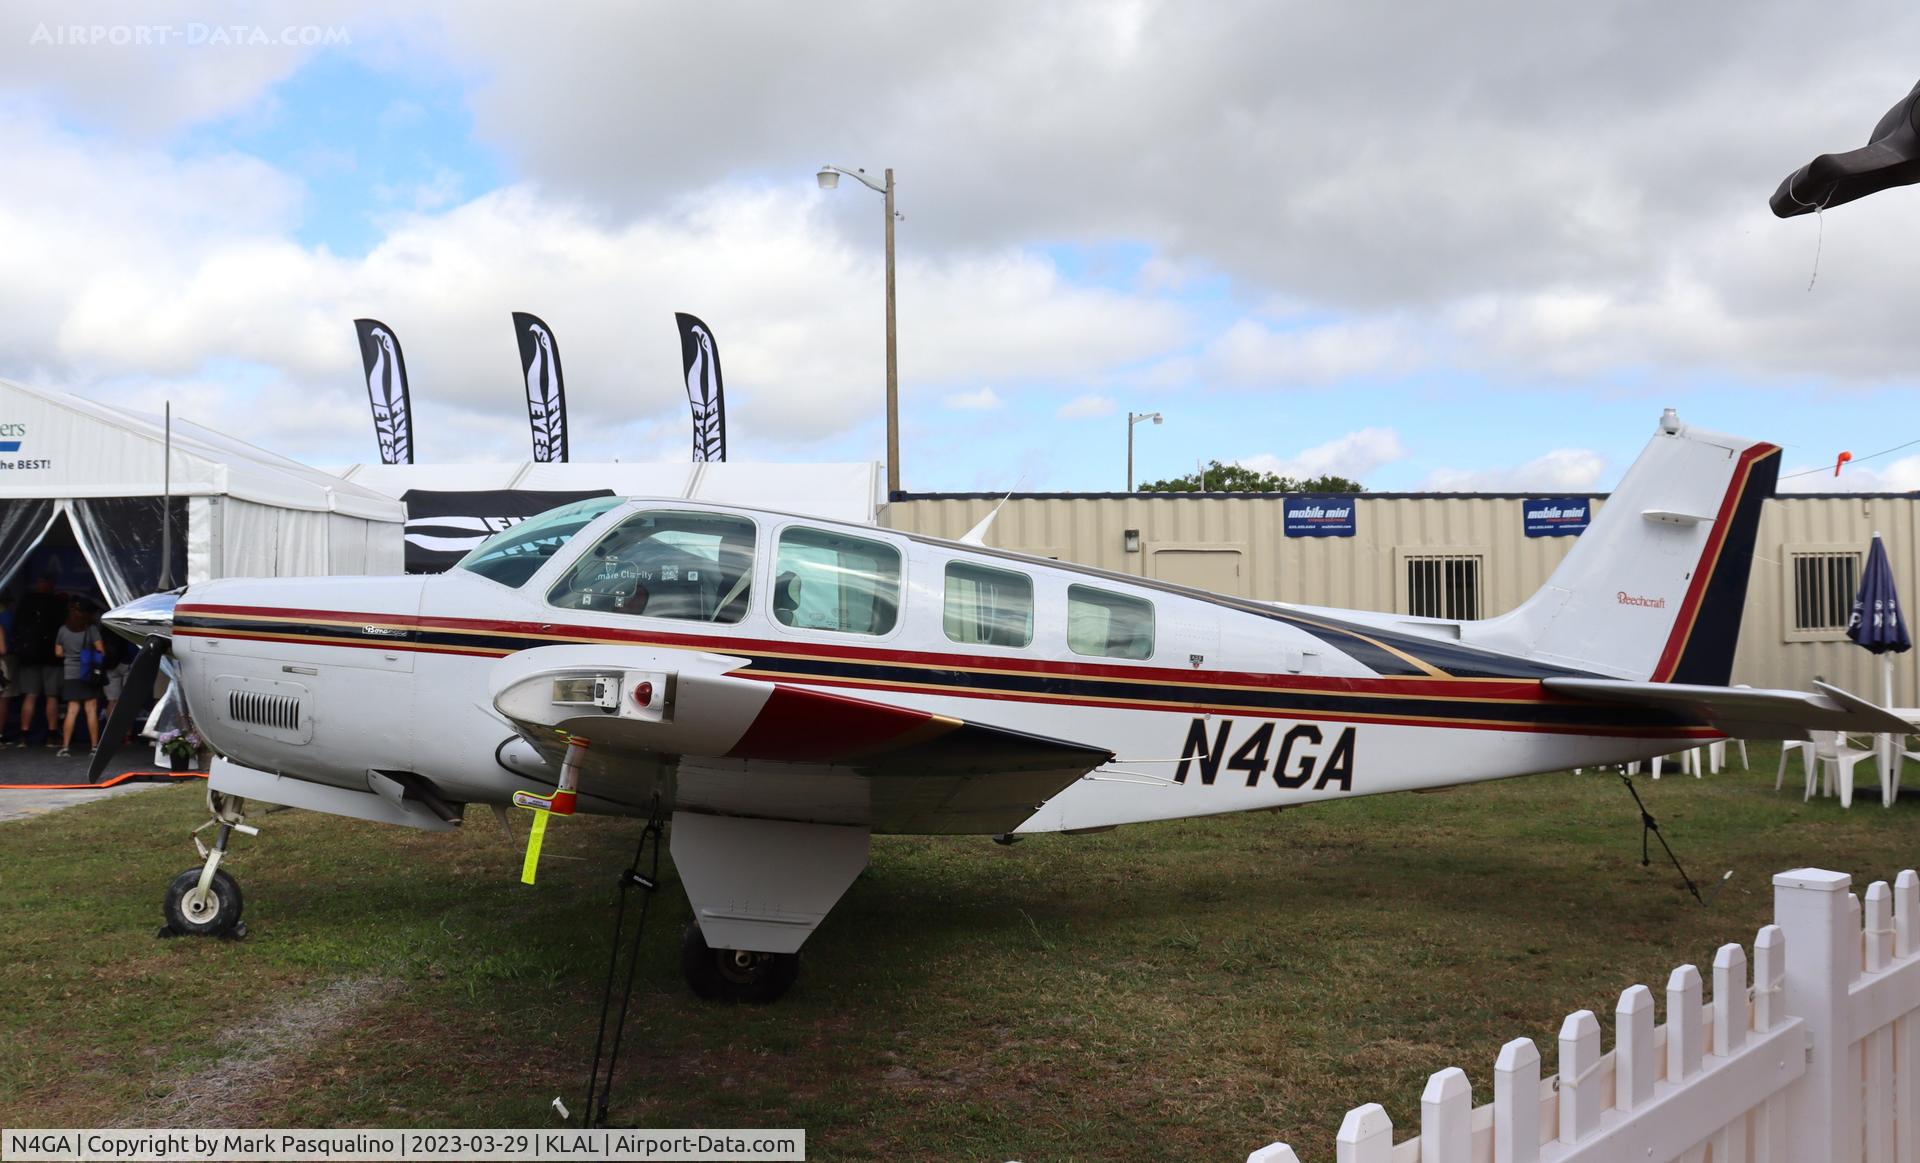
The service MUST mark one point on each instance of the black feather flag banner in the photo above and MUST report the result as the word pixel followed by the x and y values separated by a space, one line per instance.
pixel 700 360
pixel 386 372
pixel 546 392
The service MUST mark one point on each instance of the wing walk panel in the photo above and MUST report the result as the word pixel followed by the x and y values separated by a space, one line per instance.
pixel 809 726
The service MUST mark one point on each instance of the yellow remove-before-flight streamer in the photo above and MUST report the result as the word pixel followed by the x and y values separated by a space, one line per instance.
pixel 535 837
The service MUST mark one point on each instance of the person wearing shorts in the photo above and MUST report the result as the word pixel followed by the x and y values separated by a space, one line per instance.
pixel 37 681
pixel 36 670
pixel 119 662
pixel 78 635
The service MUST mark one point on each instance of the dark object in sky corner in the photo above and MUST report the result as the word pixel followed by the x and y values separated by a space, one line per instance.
pixel 1890 158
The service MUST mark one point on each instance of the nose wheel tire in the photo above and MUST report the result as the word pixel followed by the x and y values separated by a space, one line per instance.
pixel 734 974
pixel 214 913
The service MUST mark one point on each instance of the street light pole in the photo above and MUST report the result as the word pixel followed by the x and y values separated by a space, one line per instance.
pixel 893 361
pixel 1132 419
pixel 829 178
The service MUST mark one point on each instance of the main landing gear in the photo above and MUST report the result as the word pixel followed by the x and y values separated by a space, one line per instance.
pixel 734 974
pixel 206 901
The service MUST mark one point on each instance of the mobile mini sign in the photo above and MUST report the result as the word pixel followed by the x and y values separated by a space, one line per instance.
pixel 1320 517
pixel 1557 516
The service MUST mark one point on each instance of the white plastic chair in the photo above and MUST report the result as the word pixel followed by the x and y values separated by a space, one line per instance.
pixel 1890 780
pixel 1804 749
pixel 1717 754
pixel 1838 759
pixel 1689 762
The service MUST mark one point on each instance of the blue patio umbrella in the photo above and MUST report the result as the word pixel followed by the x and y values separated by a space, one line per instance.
pixel 1877 625
pixel 1876 622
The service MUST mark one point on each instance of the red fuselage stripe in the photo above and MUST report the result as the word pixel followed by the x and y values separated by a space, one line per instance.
pixel 1438 691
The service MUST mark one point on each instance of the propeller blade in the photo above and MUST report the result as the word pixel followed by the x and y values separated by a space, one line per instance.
pixel 139 679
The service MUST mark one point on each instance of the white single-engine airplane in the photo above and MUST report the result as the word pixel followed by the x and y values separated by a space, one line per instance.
pixel 782 687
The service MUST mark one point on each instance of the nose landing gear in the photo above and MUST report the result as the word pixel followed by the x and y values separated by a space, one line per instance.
pixel 206 901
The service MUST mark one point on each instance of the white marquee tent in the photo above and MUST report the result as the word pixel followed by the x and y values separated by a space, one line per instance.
pixel 247 512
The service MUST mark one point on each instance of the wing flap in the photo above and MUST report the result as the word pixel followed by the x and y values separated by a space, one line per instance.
pixel 1744 712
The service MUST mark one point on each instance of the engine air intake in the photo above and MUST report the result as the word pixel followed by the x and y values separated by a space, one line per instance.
pixel 281 712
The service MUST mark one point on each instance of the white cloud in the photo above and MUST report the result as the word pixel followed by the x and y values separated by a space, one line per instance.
pixel 1086 407
pixel 132 272
pixel 1580 194
pixel 1563 469
pixel 979 400
pixel 150 69
pixel 1355 455
pixel 1255 354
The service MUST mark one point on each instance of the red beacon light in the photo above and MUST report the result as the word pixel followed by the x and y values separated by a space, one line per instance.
pixel 643 695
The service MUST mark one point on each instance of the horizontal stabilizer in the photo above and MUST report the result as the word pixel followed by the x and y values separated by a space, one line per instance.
pixel 1744 712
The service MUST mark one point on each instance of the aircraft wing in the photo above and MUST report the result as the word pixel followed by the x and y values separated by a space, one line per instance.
pixel 748 746
pixel 1744 712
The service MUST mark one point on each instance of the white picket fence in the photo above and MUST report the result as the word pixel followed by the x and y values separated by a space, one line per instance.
pixel 1816 1060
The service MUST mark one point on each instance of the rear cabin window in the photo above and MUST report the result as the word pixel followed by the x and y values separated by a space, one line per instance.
pixel 828 581
pixel 988 607
pixel 1108 625
pixel 512 556
pixel 693 567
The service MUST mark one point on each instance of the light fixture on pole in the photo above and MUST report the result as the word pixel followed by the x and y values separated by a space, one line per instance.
pixel 1132 419
pixel 829 179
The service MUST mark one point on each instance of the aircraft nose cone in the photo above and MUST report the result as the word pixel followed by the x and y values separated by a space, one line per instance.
pixel 143 618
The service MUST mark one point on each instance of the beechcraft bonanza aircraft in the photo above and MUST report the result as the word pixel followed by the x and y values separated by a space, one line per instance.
pixel 781 688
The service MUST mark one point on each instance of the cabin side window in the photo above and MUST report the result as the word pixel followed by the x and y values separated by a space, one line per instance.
pixel 829 581
pixel 988 607
pixel 694 567
pixel 1108 625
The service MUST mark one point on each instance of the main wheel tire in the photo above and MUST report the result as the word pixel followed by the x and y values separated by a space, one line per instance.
pixel 214 914
pixel 734 974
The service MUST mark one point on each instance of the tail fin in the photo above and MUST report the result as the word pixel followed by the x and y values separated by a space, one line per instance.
pixel 1654 589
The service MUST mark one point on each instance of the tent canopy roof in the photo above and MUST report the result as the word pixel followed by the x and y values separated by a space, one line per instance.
pixel 840 492
pixel 64 446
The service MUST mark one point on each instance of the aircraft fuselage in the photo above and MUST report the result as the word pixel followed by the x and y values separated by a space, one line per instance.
pixel 1235 706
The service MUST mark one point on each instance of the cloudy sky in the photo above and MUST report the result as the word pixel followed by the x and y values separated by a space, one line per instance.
pixel 1460 246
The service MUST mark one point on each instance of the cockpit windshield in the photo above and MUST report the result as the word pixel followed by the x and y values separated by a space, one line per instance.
pixel 516 553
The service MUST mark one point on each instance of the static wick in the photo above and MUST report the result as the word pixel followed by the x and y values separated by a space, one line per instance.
pixel 1820 232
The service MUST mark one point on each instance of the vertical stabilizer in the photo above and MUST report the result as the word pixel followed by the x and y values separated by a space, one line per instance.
pixel 1654 589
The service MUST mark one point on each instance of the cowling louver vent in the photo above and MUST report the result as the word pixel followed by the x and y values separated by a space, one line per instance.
pixel 281 712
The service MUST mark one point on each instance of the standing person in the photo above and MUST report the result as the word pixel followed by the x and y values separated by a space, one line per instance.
pixel 72 644
pixel 36 622
pixel 6 669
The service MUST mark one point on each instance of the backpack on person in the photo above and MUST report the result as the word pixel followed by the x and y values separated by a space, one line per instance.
pixel 93 667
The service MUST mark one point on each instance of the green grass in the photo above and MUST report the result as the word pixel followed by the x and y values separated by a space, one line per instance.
pixel 1185 990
